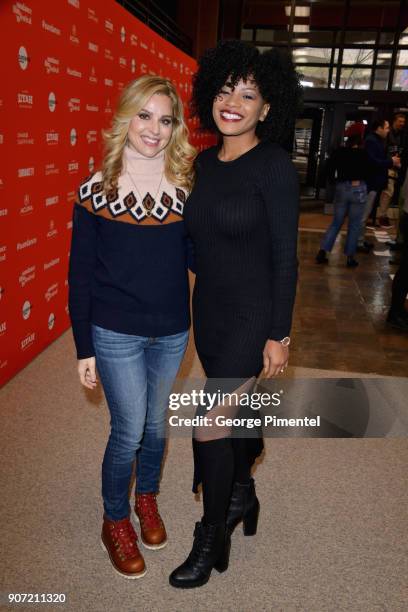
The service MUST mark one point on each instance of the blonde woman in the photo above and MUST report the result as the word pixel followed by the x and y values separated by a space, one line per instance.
pixel 129 301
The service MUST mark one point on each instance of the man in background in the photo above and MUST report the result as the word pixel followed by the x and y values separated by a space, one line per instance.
pixel 398 315
pixel 378 175
pixel 394 146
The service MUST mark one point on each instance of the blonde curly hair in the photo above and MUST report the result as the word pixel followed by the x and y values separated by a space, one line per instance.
pixel 179 154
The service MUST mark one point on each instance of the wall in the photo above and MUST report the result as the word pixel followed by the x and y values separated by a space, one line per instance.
pixel 63 64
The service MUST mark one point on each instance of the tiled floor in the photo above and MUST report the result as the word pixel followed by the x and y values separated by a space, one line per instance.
pixel 339 319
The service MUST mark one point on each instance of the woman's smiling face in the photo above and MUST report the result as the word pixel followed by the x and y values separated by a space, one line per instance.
pixel 238 108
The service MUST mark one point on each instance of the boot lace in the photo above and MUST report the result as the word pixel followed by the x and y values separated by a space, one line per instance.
pixel 146 505
pixel 125 538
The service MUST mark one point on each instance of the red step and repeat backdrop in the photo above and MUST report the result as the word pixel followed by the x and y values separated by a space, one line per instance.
pixel 63 63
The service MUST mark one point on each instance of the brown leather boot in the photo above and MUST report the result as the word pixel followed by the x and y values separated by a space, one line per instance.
pixel 153 532
pixel 119 539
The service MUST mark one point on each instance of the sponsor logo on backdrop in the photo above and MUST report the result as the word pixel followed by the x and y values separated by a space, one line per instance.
pixel 93 47
pixel 3 212
pixel 71 196
pixel 52 65
pixel 108 54
pixel 26 310
pixel 73 37
pixel 161 55
pixel 133 65
pixel 91 164
pixel 108 107
pixel 74 105
pixel 91 136
pixel 69 225
pixel 26 276
pixel 51 169
pixel 1 139
pixel 122 62
pixel 73 167
pixel 52 232
pixel 153 49
pixel 3 253
pixel 108 26
pixel 92 16
pixel 143 45
pixel 1 183
pixel 26 244
pixel 143 68
pixel 52 101
pixel 22 12
pixel 49 27
pixel 51 292
pixel 27 208
pixel 120 85
pixel 73 137
pixel 74 3
pixel 24 138
pixel 3 327
pixel 27 341
pixel 133 40
pixel 66 309
pixel 51 200
pixel 92 77
pixel 23 172
pixel 74 73
pixel 51 263
pixel 52 138
pixel 92 108
pixel 108 82
pixel 23 58
pixel 51 321
pixel 25 100
pixel 123 34
pixel 1 292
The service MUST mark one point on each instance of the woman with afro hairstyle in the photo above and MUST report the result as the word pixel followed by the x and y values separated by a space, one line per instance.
pixel 242 217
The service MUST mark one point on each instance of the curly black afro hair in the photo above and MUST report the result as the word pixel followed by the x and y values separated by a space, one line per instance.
pixel 273 72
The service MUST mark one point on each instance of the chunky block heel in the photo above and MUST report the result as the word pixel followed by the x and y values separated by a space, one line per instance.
pixel 250 520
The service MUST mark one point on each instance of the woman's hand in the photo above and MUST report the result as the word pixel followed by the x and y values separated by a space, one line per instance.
pixel 275 358
pixel 87 372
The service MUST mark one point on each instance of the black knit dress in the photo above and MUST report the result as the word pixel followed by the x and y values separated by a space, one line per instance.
pixel 242 217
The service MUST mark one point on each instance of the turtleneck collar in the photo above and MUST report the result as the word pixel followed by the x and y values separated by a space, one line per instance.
pixel 138 164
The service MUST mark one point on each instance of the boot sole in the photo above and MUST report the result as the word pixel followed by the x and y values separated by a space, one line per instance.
pixel 149 546
pixel 200 583
pixel 127 576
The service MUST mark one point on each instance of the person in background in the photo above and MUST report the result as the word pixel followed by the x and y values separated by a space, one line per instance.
pixel 374 144
pixel 129 301
pixel 394 149
pixel 349 166
pixel 398 314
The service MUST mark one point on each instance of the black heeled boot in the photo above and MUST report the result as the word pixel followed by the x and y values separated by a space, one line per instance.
pixel 244 506
pixel 211 548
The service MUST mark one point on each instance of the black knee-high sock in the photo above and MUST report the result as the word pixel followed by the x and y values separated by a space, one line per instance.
pixel 242 466
pixel 216 466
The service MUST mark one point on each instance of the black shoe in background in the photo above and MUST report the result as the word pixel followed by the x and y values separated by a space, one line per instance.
pixel 398 321
pixel 351 262
pixel 321 257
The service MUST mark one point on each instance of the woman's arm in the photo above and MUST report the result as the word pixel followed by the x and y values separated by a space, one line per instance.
pixel 280 191
pixel 80 275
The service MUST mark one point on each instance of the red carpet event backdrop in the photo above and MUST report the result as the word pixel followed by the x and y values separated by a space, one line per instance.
pixel 64 63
